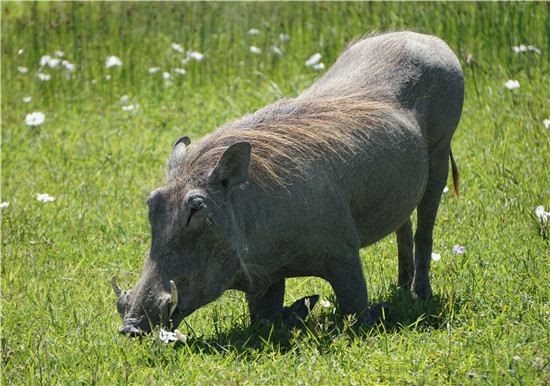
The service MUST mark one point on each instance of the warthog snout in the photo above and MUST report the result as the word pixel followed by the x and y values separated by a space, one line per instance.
pixel 137 326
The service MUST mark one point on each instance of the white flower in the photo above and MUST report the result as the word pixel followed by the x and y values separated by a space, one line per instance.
pixel 318 66
pixel 22 70
pixel 511 84
pixel 166 75
pixel 35 119
pixel 59 54
pixel 4 204
pixel 436 256
pixel 43 77
pixel 533 49
pixel 108 77
pixel 313 59
pixel 276 50
pixel 54 62
pixel 45 60
pixel 124 99
pixel 284 37
pixel 546 123
pixel 112 61
pixel 128 108
pixel 180 71
pixel 20 51
pixel 195 55
pixel 518 49
pixel 44 197
pixel 167 336
pixel 324 303
pixel 68 65
pixel 445 189
pixel 27 99
pixel 255 50
pixel 152 70
pixel 253 31
pixel 523 48
pixel 177 47
pixel 541 214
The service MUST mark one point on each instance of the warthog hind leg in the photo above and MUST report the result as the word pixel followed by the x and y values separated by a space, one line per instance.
pixel 405 245
pixel 427 212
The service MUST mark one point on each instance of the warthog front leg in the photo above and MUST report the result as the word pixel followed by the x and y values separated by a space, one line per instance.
pixel 268 305
pixel 347 281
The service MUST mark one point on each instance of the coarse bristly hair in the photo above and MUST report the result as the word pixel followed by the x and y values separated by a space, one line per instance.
pixel 291 134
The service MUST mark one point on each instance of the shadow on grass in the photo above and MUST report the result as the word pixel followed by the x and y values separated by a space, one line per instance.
pixel 324 327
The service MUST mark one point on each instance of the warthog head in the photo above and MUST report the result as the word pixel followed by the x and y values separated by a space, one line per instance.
pixel 194 254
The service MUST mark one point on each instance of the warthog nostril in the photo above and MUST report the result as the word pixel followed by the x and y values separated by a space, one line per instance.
pixel 130 329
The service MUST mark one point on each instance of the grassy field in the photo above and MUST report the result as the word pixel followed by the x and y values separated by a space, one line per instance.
pixel 104 144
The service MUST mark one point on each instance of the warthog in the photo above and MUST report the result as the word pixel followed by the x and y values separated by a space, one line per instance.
pixel 298 187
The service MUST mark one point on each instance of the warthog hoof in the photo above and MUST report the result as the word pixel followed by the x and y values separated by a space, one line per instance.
pixel 299 310
pixel 129 329
pixel 377 312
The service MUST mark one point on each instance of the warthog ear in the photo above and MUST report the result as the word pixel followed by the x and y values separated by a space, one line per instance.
pixel 232 168
pixel 178 150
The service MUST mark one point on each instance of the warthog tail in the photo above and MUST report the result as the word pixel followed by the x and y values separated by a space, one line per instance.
pixel 456 176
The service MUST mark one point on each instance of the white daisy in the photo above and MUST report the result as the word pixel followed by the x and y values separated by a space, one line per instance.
pixel 255 50
pixel 284 37
pixel 112 61
pixel 54 62
pixel 313 59
pixel 276 50
pixel 195 55
pixel 511 84
pixel 68 65
pixel 44 77
pixel 35 119
pixel 541 214
pixel 45 60
pixel 44 197
pixel 177 47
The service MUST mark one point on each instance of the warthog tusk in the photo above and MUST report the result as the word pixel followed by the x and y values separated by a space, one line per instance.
pixel 116 287
pixel 173 298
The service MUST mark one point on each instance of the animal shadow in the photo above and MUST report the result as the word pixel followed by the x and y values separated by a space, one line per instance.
pixel 323 327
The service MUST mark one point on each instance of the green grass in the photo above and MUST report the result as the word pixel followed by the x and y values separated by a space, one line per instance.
pixel 490 315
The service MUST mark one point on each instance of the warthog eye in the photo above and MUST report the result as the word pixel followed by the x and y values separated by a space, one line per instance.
pixel 194 204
